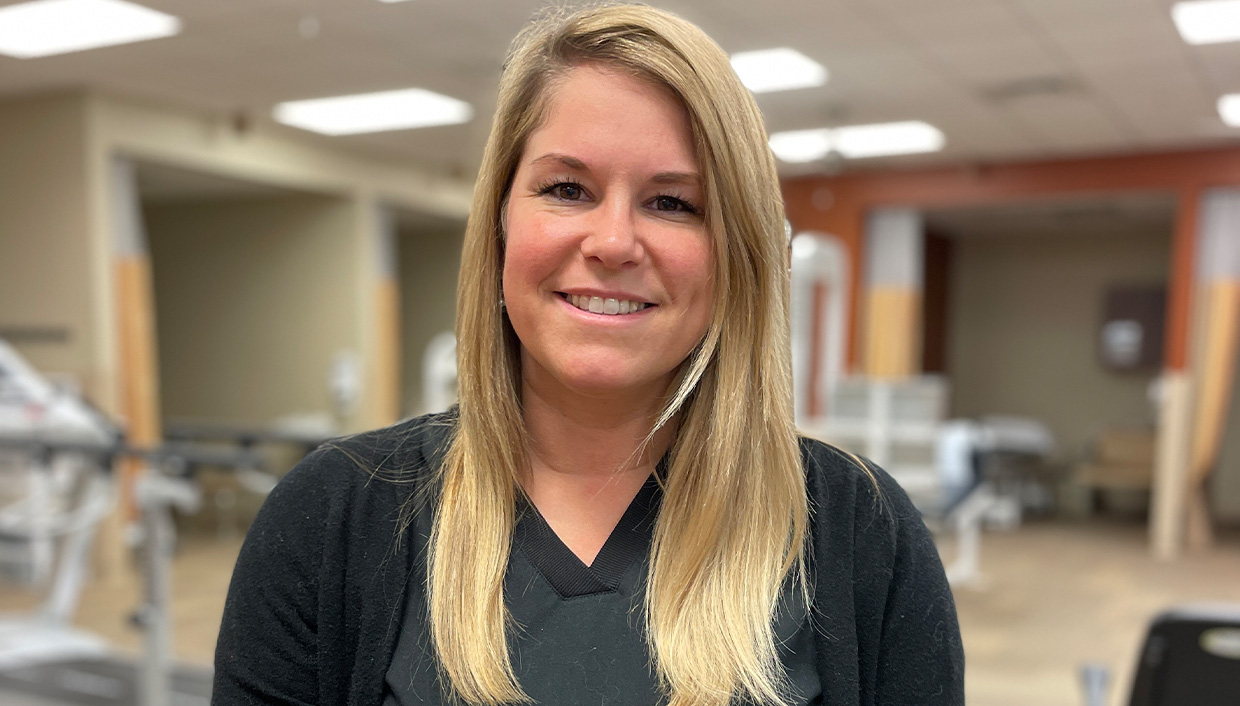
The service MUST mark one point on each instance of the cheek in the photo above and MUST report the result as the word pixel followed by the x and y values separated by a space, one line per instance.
pixel 692 265
pixel 530 255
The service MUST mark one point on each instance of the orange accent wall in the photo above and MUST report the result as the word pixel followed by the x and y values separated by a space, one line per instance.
pixel 893 321
pixel 841 204
pixel 140 383
pixel 1217 370
pixel 387 363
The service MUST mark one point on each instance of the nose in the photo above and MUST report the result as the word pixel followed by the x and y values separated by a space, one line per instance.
pixel 611 238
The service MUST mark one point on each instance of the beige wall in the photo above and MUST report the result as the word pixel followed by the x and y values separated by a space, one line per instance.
pixel 291 304
pixel 254 298
pixel 46 273
pixel 429 262
pixel 286 158
pixel 1023 322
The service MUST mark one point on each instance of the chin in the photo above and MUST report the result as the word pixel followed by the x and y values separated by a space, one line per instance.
pixel 608 381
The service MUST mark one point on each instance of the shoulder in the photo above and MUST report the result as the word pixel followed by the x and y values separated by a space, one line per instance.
pixel 382 466
pixel 858 510
pixel 406 447
pixel 342 502
pixel 844 484
pixel 407 451
pixel 321 568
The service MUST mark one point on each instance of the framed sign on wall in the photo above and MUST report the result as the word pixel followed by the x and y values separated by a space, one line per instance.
pixel 1130 337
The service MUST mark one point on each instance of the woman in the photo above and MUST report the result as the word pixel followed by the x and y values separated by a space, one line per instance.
pixel 620 510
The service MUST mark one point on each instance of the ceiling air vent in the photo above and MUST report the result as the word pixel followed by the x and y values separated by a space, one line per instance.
pixel 1030 87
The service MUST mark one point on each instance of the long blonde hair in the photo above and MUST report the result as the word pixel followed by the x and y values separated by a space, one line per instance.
pixel 732 530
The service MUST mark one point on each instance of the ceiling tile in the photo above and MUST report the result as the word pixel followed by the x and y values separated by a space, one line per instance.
pixel 1067 122
pixel 1221 65
pixel 949 22
pixel 992 61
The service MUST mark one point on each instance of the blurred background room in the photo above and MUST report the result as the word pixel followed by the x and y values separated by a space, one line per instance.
pixel 230 229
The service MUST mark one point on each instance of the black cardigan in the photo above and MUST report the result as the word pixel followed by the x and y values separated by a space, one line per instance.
pixel 316 600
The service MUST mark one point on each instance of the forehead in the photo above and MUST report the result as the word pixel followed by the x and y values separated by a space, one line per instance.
pixel 610 114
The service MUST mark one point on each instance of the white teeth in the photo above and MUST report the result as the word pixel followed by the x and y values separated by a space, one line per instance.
pixel 608 306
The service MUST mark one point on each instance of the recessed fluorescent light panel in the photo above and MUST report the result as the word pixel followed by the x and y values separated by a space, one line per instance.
pixel 1208 21
pixel 48 27
pixel 857 141
pixel 374 112
pixel 777 70
pixel 886 139
pixel 1229 109
pixel 795 146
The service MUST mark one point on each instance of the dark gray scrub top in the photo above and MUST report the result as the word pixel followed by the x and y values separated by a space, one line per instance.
pixel 579 640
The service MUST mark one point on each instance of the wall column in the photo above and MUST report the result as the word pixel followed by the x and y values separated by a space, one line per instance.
pixel 1214 361
pixel 1204 329
pixel 139 369
pixel 384 279
pixel 893 292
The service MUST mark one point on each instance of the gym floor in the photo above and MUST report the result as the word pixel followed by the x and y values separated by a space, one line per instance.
pixel 1055 595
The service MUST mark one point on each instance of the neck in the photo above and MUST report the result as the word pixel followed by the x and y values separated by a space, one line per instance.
pixel 588 436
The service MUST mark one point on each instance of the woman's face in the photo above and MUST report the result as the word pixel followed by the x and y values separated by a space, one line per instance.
pixel 607 266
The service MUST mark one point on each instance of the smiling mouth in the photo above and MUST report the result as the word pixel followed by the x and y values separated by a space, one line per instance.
pixel 604 305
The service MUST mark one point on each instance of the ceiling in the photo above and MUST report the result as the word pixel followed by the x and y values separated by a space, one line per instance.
pixel 1003 79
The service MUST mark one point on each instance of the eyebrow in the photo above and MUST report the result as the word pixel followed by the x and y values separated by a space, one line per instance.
pixel 570 162
pixel 689 178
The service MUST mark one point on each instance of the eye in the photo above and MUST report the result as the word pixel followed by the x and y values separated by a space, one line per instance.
pixel 673 204
pixel 568 192
pixel 564 190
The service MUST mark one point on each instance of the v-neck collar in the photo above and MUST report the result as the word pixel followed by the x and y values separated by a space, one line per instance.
pixel 566 573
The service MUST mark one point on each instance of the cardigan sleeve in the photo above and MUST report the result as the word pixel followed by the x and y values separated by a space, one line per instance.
pixel 267 652
pixel 920 656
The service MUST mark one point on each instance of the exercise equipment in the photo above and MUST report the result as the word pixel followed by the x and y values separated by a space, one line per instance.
pixel 56 459
pixel 56 436
pixel 1190 655
pixel 66 503
pixel 959 473
pixel 45 655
